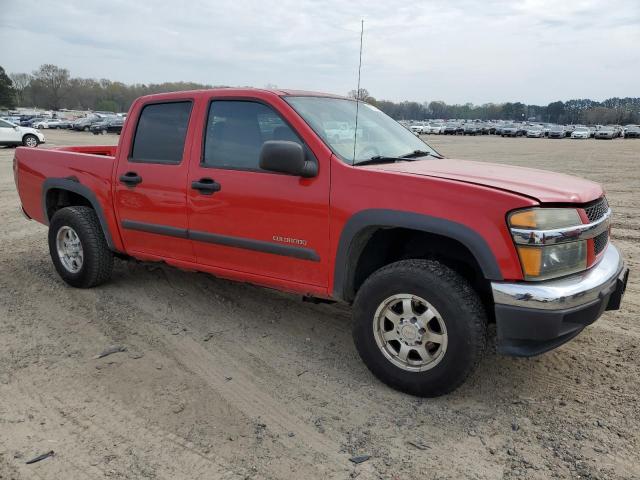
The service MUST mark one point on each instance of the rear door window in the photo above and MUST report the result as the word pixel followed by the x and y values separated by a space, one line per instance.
pixel 161 132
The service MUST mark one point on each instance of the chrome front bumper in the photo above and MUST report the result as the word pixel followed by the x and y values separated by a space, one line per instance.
pixel 533 318
pixel 569 292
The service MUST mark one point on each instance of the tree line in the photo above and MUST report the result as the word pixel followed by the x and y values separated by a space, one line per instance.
pixel 579 111
pixel 53 87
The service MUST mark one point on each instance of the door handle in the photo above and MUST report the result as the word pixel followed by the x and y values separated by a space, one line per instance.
pixel 206 186
pixel 130 179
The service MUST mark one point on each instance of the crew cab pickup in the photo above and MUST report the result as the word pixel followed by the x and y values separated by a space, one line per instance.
pixel 250 185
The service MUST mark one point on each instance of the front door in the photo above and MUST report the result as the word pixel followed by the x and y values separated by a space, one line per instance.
pixel 9 134
pixel 151 182
pixel 249 220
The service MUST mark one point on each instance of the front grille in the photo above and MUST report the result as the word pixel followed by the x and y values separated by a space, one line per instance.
pixel 600 242
pixel 597 209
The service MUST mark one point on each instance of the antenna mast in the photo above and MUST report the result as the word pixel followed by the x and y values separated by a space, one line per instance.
pixel 355 134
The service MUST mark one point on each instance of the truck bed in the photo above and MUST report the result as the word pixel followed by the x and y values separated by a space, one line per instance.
pixel 88 167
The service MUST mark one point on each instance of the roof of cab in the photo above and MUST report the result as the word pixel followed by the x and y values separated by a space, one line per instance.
pixel 241 92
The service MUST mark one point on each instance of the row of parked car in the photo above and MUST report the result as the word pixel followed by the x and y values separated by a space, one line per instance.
pixel 97 122
pixel 531 130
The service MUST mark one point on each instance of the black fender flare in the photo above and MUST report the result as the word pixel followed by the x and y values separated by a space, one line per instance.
pixel 373 219
pixel 73 185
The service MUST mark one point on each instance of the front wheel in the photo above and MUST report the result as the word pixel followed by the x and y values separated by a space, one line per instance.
pixel 30 141
pixel 78 247
pixel 419 327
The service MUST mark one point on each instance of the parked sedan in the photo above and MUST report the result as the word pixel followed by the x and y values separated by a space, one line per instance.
pixel 535 132
pixel 433 128
pixel 450 129
pixel 632 131
pixel 557 131
pixel 417 129
pixel 606 133
pixel 470 129
pixel 28 122
pixel 109 125
pixel 510 131
pixel 581 132
pixel 46 123
pixel 85 122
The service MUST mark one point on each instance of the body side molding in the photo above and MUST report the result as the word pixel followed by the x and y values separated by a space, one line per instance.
pixel 226 240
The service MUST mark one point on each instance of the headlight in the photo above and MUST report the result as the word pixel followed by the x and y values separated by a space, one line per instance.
pixel 545 218
pixel 548 241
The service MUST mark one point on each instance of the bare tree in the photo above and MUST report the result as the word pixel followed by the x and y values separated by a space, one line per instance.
pixel 21 82
pixel 51 83
pixel 362 95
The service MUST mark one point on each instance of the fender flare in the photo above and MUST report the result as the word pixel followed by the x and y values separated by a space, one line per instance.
pixel 372 219
pixel 73 185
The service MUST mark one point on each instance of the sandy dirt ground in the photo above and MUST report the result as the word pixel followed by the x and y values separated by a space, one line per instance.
pixel 226 380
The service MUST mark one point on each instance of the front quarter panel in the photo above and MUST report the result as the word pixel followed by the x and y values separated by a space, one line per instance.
pixel 477 211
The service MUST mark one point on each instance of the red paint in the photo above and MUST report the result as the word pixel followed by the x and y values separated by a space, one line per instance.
pixel 261 206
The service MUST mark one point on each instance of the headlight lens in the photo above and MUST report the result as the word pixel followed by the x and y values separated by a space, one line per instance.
pixel 549 261
pixel 542 263
pixel 545 218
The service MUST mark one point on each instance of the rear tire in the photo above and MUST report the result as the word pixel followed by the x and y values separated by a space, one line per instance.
pixel 76 232
pixel 452 342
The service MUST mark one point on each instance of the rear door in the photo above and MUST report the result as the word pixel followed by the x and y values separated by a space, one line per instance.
pixel 258 222
pixel 151 179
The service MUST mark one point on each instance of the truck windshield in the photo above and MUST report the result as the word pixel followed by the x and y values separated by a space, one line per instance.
pixel 378 136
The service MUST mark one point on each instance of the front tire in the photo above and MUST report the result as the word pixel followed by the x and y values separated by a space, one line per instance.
pixel 419 327
pixel 78 247
pixel 30 140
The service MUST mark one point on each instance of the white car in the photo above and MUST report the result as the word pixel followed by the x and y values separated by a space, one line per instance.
pixel 417 129
pixel 13 135
pixel 581 132
pixel 51 123
pixel 535 132
pixel 433 128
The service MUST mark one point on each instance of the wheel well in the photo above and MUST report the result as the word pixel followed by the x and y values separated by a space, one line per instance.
pixel 58 198
pixel 376 247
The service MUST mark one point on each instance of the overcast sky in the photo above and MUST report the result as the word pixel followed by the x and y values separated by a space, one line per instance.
pixel 535 51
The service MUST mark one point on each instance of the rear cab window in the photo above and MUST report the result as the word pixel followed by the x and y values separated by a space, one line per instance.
pixel 160 133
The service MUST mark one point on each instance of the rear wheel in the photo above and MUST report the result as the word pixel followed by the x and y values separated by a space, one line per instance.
pixel 419 327
pixel 78 247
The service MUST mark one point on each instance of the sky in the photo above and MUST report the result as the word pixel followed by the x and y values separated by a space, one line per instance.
pixel 534 51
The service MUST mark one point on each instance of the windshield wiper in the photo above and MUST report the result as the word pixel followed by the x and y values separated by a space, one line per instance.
pixel 402 158
pixel 407 157
pixel 378 159
pixel 416 154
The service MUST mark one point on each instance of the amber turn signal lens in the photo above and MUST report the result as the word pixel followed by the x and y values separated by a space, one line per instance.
pixel 531 260
pixel 524 219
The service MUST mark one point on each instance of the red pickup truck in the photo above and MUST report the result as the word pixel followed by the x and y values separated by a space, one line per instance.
pixel 286 189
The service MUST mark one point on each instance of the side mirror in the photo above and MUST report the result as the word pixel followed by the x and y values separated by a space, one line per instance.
pixel 286 157
pixel 15 127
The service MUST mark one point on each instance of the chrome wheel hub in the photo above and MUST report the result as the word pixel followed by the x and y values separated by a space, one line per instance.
pixel 31 142
pixel 410 332
pixel 69 249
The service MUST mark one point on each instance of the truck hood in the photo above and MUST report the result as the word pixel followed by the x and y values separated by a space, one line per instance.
pixel 542 185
